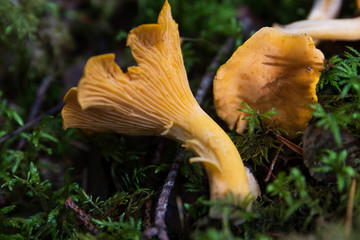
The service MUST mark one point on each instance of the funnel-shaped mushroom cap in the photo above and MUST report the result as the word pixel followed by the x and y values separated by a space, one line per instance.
pixel 145 100
pixel 154 98
pixel 271 69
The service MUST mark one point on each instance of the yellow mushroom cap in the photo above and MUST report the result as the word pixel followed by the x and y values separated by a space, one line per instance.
pixel 145 100
pixel 154 98
pixel 271 69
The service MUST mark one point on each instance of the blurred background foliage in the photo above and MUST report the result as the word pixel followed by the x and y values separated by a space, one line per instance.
pixel 43 48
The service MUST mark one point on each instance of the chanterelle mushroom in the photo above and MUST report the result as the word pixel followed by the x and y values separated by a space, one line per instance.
pixel 154 98
pixel 330 29
pixel 271 69
pixel 320 25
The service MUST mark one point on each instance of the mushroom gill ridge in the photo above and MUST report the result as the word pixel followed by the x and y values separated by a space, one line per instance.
pixel 154 98
pixel 154 91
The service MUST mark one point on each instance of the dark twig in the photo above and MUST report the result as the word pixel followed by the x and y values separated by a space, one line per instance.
pixel 110 211
pixel 147 215
pixel 31 123
pixel 208 78
pixel 81 214
pixel 160 226
pixel 288 143
pixel 267 169
pixel 261 124
pixel 166 190
pixel 156 159
pixel 273 163
pixel 40 97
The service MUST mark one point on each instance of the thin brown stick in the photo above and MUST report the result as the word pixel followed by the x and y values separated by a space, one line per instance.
pixel 82 215
pixel 350 207
pixel 267 169
pixel 166 190
pixel 109 211
pixel 287 142
pixel 160 225
pixel 156 159
pixel 40 96
pixel 273 163
pixel 147 215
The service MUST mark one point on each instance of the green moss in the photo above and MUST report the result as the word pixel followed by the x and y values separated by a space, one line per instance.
pixel 37 40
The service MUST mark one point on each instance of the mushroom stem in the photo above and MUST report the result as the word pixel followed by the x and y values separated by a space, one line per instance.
pixel 211 146
pixel 154 98
pixel 330 29
pixel 324 9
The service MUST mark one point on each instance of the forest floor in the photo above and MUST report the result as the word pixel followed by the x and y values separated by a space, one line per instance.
pixel 74 184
